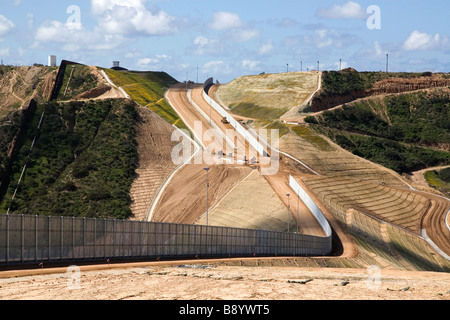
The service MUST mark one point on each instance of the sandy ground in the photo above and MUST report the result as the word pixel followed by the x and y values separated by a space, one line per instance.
pixel 205 281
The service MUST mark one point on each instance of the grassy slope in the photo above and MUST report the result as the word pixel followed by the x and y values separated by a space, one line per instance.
pixel 147 89
pixel 268 96
pixel 81 80
pixel 439 180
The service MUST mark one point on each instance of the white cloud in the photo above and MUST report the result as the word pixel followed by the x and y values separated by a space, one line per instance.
pixel 250 64
pixel 216 67
pixel 225 20
pixel 266 48
pixel 329 38
pixel 418 41
pixel 242 35
pixel 350 10
pixel 203 46
pixel 154 61
pixel 76 39
pixel 118 20
pixel 4 52
pixel 6 25
pixel 129 17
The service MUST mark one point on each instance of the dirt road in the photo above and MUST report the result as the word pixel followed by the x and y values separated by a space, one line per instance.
pixel 306 222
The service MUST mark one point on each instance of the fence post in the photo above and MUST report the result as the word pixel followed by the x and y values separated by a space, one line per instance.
pixel 22 236
pixel 36 238
pixel 7 238
pixel 62 236
pixel 95 238
pixel 73 238
pixel 49 223
pixel 84 237
pixel 104 239
pixel 114 238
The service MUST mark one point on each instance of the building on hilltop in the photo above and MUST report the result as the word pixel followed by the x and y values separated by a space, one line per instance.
pixel 117 67
pixel 52 61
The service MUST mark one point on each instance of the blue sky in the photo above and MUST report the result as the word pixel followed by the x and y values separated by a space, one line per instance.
pixel 227 39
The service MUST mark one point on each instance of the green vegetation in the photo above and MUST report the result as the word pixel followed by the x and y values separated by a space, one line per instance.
pixel 407 138
pixel 340 87
pixel 312 137
pixel 439 180
pixel 82 164
pixel 9 128
pixel 348 80
pixel 391 154
pixel 147 89
pixel 280 126
pixel 254 111
pixel 81 80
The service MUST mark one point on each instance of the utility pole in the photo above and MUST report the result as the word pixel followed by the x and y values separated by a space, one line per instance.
pixel 387 62
pixel 301 66
pixel 287 67
pixel 340 64
pixel 318 66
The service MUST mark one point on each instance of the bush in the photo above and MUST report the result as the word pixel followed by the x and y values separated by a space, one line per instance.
pixel 83 163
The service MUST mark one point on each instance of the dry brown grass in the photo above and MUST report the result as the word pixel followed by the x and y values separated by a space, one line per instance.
pixel 279 91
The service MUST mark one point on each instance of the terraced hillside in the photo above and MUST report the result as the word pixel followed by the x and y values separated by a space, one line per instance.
pixel 328 159
pixel 154 161
pixel 404 132
pixel 391 217
pixel 387 218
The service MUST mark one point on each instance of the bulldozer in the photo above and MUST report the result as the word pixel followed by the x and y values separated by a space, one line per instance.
pixel 225 120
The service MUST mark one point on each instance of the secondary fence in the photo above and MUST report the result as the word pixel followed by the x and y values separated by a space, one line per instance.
pixel 35 239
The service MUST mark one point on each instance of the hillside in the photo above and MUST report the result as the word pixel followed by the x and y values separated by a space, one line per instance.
pixel 82 154
pixel 348 85
pixel 404 132
pixel 147 89
pixel 20 84
pixel 395 133
pixel 268 96
pixel 81 164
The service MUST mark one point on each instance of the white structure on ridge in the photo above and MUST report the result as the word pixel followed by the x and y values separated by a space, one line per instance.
pixel 52 61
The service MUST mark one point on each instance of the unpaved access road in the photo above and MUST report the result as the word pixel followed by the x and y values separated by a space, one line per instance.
pixel 279 181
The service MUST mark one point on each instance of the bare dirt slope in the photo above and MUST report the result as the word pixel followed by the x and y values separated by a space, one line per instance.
pixel 280 91
pixel 20 84
pixel 155 164
pixel 251 204
pixel 184 199
pixel 329 159
pixel 206 281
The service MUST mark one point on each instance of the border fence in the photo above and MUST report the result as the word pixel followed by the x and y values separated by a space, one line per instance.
pixel 36 239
